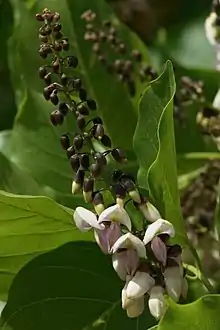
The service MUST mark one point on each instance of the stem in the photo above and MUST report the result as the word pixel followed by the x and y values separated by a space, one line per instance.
pixel 198 274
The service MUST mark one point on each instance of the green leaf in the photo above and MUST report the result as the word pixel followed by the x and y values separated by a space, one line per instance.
pixel 30 226
pixel 72 287
pixel 202 314
pixel 155 147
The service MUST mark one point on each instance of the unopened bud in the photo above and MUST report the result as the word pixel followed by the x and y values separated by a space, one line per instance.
pixel 174 251
pixel 66 45
pixel 63 108
pixel 77 84
pixel 72 61
pixel 149 211
pixel 56 65
pixel 98 203
pixel 106 141
pixel 47 78
pixel 97 120
pixel 88 189
pixel 95 169
pixel 84 161
pixel 56 118
pixel 83 110
pixel 78 181
pixel 91 104
pixel 100 159
pixel 39 18
pixel 81 122
pixel 54 98
pixel 65 141
pixel 42 72
pixel 78 142
pixel 74 162
pixel 70 152
pixel 119 155
pixel 132 190
pixel 64 79
pixel 82 94
pixel 99 131
pixel 57 27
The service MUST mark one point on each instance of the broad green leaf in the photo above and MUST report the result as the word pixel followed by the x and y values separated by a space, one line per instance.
pixel 155 147
pixel 202 314
pixel 72 287
pixel 30 226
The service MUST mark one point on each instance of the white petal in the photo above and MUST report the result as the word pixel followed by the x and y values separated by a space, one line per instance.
pixel 150 212
pixel 116 213
pixel 119 266
pixel 173 282
pixel 216 102
pixel 157 304
pixel 140 284
pixel 129 241
pixel 86 219
pixel 125 301
pixel 160 226
pixel 137 308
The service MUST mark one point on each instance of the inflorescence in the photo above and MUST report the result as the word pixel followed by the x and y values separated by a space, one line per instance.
pixel 145 259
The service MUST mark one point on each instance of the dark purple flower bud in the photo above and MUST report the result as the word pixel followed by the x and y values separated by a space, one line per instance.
pixel 66 45
pixel 119 155
pixel 77 83
pixel 106 141
pixel 99 131
pixel 78 181
pixel 54 98
pixel 97 120
pixel 88 186
pixel 57 27
pixel 174 251
pixel 83 110
pixel 64 79
pixel 63 108
pixel 78 142
pixel 70 151
pixel 56 118
pixel 74 162
pixel 42 72
pixel 72 61
pixel 82 94
pixel 91 104
pixel 136 55
pixel 95 169
pixel 81 122
pixel 39 18
pixel 65 141
pixel 84 161
pixel 56 66
pixel 100 159
pixel 47 78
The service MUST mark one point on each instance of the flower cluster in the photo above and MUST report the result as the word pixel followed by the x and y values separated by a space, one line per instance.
pixel 148 264
pixel 144 259
pixel 127 65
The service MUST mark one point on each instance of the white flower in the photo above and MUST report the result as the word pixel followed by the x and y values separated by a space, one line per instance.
pixel 129 241
pixel 173 282
pixel 150 212
pixel 160 226
pixel 85 219
pixel 140 284
pixel 134 307
pixel 157 304
pixel 107 227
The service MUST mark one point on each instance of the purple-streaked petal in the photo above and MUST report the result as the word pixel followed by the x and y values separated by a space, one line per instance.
pixel 158 227
pixel 159 249
pixel 117 214
pixel 86 219
pixel 107 237
pixel 129 241
pixel 173 282
pixel 125 263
